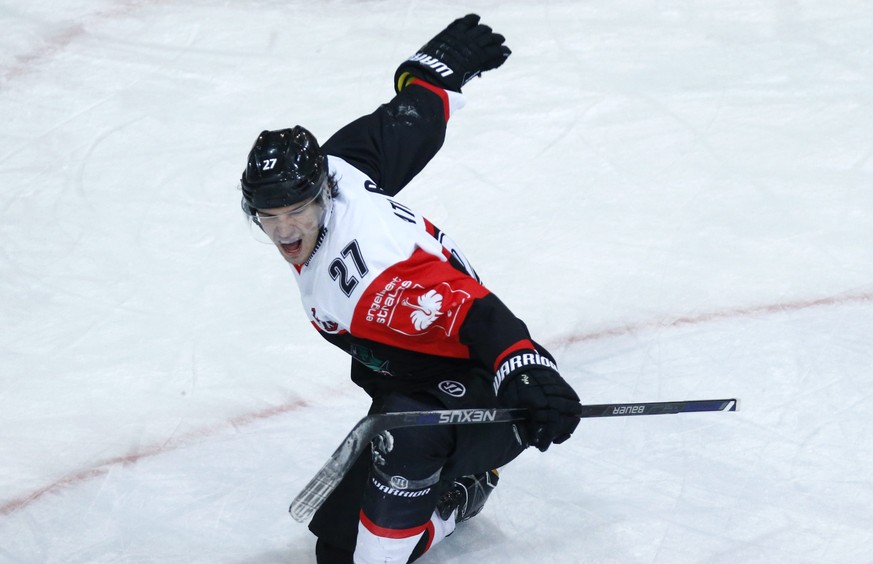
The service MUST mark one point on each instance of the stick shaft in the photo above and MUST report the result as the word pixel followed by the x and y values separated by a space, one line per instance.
pixel 325 481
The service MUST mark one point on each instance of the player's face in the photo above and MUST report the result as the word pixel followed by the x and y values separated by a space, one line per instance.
pixel 293 229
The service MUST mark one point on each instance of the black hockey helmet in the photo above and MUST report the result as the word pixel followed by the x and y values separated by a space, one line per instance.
pixel 285 167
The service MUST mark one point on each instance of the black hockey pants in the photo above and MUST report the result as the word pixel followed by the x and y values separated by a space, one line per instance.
pixel 435 454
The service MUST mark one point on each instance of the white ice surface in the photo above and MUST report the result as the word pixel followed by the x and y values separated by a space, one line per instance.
pixel 676 196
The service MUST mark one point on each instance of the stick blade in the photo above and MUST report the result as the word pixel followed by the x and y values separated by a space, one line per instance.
pixel 710 405
pixel 313 495
pixel 331 474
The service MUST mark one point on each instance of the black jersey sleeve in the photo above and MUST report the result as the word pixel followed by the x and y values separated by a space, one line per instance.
pixel 500 341
pixel 394 143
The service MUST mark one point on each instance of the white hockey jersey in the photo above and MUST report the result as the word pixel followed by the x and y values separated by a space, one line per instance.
pixel 385 284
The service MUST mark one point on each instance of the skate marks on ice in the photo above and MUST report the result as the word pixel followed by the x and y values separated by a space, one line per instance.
pixel 781 479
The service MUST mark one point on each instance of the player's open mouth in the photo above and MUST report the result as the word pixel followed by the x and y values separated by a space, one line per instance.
pixel 292 248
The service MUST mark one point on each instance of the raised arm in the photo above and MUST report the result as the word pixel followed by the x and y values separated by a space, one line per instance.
pixel 395 142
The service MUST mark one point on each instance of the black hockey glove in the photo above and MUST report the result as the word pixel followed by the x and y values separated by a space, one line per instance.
pixel 463 50
pixel 554 406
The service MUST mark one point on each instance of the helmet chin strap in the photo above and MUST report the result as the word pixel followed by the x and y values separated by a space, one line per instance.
pixel 327 204
pixel 327 211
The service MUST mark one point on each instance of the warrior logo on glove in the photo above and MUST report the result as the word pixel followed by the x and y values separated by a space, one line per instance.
pixel 462 51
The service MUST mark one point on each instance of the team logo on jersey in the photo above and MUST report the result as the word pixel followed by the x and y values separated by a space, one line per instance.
pixel 419 310
pixel 426 310
pixel 452 388
pixel 412 309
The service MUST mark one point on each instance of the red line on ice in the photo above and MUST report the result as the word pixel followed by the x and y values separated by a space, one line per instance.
pixel 54 43
pixel 713 316
pixel 105 467
pixel 86 474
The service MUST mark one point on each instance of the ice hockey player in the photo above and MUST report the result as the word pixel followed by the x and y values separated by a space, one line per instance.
pixel 388 287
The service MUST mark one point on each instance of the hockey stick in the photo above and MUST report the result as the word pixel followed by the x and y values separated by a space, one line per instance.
pixel 325 481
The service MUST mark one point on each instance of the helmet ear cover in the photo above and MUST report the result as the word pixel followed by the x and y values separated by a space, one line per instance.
pixel 284 167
